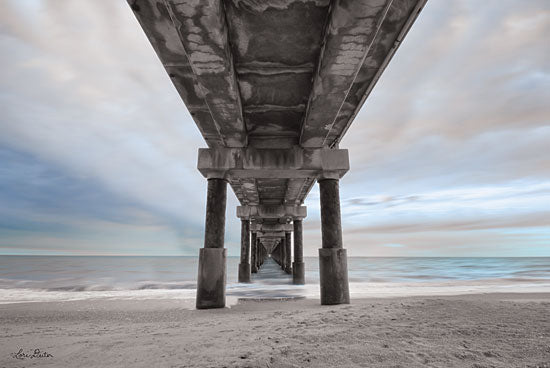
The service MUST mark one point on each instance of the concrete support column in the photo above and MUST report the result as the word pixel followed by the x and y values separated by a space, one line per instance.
pixel 262 255
pixel 283 254
pixel 298 267
pixel 258 247
pixel 333 267
pixel 276 255
pixel 212 258
pixel 288 260
pixel 262 248
pixel 253 253
pixel 244 265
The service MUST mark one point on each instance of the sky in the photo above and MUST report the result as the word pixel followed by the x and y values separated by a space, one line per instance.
pixel 450 155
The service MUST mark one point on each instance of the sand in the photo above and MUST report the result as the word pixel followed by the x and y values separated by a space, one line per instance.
pixel 490 330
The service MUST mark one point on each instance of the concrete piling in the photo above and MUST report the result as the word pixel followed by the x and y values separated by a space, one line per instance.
pixel 288 253
pixel 298 266
pixel 333 270
pixel 212 258
pixel 244 265
pixel 253 253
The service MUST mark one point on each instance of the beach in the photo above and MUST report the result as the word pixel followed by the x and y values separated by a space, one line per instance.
pixel 481 330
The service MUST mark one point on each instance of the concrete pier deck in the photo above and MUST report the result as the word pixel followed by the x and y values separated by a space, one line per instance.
pixel 273 86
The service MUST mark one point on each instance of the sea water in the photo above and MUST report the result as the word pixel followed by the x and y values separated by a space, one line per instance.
pixel 64 278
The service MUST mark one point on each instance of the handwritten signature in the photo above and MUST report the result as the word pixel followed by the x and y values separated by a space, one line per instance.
pixel 31 354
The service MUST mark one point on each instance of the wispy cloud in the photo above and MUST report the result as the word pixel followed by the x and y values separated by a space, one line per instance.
pixel 449 155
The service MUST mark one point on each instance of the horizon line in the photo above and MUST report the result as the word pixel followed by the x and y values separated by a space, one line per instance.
pixel 196 256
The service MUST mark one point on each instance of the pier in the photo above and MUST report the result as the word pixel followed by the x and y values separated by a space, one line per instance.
pixel 273 87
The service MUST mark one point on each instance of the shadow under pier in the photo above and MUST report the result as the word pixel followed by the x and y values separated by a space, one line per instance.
pixel 270 283
pixel 272 274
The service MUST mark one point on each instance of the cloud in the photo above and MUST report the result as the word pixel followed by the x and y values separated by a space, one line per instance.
pixel 44 210
pixel 463 224
pixel 466 94
pixel 93 99
pixel 393 245
pixel 448 155
pixel 84 96
pixel 473 220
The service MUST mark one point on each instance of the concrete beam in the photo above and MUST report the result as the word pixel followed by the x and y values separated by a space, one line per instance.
pixel 245 72
pixel 297 190
pixel 228 163
pixel 361 38
pixel 154 18
pixel 192 43
pixel 400 18
pixel 352 27
pixel 271 212
pixel 271 234
pixel 271 227
pixel 203 33
pixel 245 190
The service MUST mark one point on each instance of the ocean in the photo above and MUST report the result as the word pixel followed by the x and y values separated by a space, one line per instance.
pixel 64 278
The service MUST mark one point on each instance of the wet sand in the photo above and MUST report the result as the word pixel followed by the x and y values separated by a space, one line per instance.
pixel 485 330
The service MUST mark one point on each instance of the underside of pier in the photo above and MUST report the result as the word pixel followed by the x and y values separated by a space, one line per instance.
pixel 273 87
